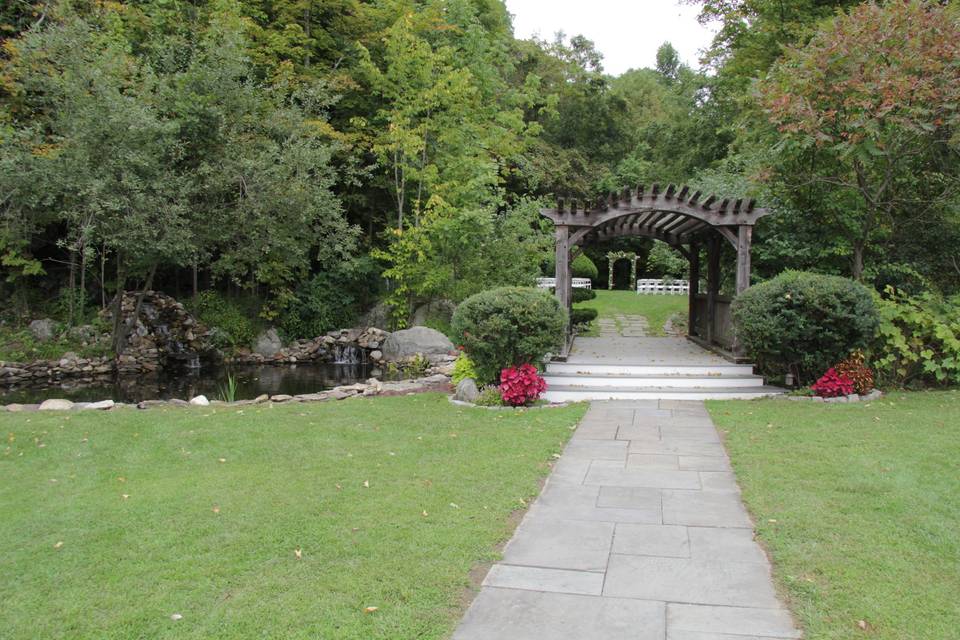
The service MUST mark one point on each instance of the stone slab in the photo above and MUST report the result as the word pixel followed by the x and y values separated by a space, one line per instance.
pixel 651 540
pixel 570 502
pixel 509 614
pixel 560 544
pixel 633 477
pixel 653 461
pixel 719 481
pixel 597 450
pixel 704 463
pixel 683 448
pixel 724 545
pixel 540 579
pixel 772 622
pixel 704 509
pixel 688 580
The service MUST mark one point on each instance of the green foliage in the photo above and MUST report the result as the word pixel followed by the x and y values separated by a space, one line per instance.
pixel 17 344
pixel 918 342
pixel 228 389
pixel 329 300
pixel 664 262
pixel 583 317
pixel 232 324
pixel 463 368
pixel 804 323
pixel 508 326
pixel 490 396
pixel 454 254
pixel 583 295
pixel 583 267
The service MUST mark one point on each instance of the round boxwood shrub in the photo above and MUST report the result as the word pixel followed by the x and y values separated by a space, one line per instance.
pixel 582 317
pixel 583 295
pixel 506 327
pixel 804 323
pixel 581 267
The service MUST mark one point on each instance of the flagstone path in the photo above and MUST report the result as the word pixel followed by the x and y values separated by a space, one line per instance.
pixel 639 533
pixel 625 326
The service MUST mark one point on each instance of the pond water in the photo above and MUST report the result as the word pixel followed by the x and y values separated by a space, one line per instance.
pixel 252 381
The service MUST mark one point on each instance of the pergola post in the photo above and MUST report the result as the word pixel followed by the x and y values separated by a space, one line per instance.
pixel 713 284
pixel 694 287
pixel 744 240
pixel 564 282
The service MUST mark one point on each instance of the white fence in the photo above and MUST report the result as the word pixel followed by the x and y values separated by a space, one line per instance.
pixel 550 283
pixel 676 287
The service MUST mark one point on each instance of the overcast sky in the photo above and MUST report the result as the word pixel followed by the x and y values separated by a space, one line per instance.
pixel 627 32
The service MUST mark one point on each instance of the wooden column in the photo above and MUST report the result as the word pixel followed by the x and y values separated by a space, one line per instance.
pixel 564 285
pixel 744 240
pixel 694 287
pixel 713 284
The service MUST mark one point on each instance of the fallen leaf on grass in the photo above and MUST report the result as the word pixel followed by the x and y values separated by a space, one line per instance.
pixel 216 508
pixel 370 609
pixel 176 616
pixel 454 505
pixel 298 552
pixel 221 459
pixel 366 484
pixel 863 625
pixel 424 514
pixel 58 545
pixel 124 495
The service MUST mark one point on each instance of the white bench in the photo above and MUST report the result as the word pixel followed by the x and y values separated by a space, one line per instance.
pixel 550 283
pixel 659 287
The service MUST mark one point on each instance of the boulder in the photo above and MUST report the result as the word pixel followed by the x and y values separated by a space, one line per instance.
pixel 406 344
pixel 268 343
pixel 441 310
pixel 376 355
pixel 103 405
pixel 200 401
pixel 281 397
pixel 56 404
pixel 379 316
pixel 42 330
pixel 467 391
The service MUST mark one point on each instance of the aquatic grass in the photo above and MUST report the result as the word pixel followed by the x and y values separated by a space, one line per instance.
pixel 228 388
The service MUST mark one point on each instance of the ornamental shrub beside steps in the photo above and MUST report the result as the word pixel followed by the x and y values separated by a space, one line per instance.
pixel 803 323
pixel 507 327
pixel 521 386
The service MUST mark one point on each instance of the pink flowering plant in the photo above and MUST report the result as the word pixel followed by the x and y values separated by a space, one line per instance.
pixel 833 385
pixel 521 386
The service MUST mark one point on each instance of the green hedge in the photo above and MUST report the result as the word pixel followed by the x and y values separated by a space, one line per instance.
pixel 581 267
pixel 583 295
pixel 508 326
pixel 582 317
pixel 804 323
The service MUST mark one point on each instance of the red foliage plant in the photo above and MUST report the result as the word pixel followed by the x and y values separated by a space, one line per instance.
pixel 833 385
pixel 521 385
pixel 855 369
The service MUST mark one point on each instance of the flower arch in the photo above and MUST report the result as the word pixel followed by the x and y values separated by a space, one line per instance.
pixel 612 258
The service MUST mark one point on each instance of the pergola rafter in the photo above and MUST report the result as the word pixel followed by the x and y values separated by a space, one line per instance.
pixel 682 217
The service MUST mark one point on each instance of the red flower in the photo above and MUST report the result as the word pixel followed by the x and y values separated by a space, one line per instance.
pixel 833 385
pixel 521 385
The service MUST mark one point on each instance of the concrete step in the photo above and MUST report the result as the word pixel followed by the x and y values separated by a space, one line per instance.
pixel 659 370
pixel 577 394
pixel 663 380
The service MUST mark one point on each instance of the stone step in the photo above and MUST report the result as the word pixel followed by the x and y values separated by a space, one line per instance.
pixel 659 370
pixel 577 394
pixel 659 381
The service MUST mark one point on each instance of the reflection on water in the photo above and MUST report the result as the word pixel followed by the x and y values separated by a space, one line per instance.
pixel 252 381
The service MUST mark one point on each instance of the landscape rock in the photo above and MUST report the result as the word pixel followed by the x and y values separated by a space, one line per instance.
pixel 56 404
pixel 268 343
pixel 200 401
pixel 103 405
pixel 281 397
pixel 467 391
pixel 42 330
pixel 406 344
pixel 441 310
pixel 261 398
pixel 376 355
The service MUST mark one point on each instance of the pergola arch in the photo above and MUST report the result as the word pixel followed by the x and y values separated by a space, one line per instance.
pixel 680 216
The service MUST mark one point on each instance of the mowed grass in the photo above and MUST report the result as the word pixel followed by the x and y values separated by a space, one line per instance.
pixel 859 506
pixel 656 308
pixel 114 522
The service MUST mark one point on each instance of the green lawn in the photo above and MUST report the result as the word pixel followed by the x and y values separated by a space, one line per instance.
pixel 199 512
pixel 657 309
pixel 859 506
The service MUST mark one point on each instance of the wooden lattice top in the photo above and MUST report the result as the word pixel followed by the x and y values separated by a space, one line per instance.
pixel 674 215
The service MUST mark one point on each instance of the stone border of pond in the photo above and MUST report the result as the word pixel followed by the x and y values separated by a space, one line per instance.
pixel 372 387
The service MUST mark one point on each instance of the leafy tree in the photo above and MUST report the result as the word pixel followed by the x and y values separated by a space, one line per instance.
pixel 868 111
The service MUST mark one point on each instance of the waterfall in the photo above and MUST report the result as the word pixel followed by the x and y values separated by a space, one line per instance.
pixel 348 354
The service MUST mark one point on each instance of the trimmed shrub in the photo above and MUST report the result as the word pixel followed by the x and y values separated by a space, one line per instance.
pixel 804 322
pixel 583 295
pixel 509 326
pixel 581 267
pixel 580 317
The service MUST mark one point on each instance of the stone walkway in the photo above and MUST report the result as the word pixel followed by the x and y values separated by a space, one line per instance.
pixel 639 533
pixel 625 326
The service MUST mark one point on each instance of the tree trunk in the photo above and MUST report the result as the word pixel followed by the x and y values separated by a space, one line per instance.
pixel 857 269
pixel 72 286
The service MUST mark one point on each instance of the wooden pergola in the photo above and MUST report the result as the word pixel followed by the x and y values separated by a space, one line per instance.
pixel 687 220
